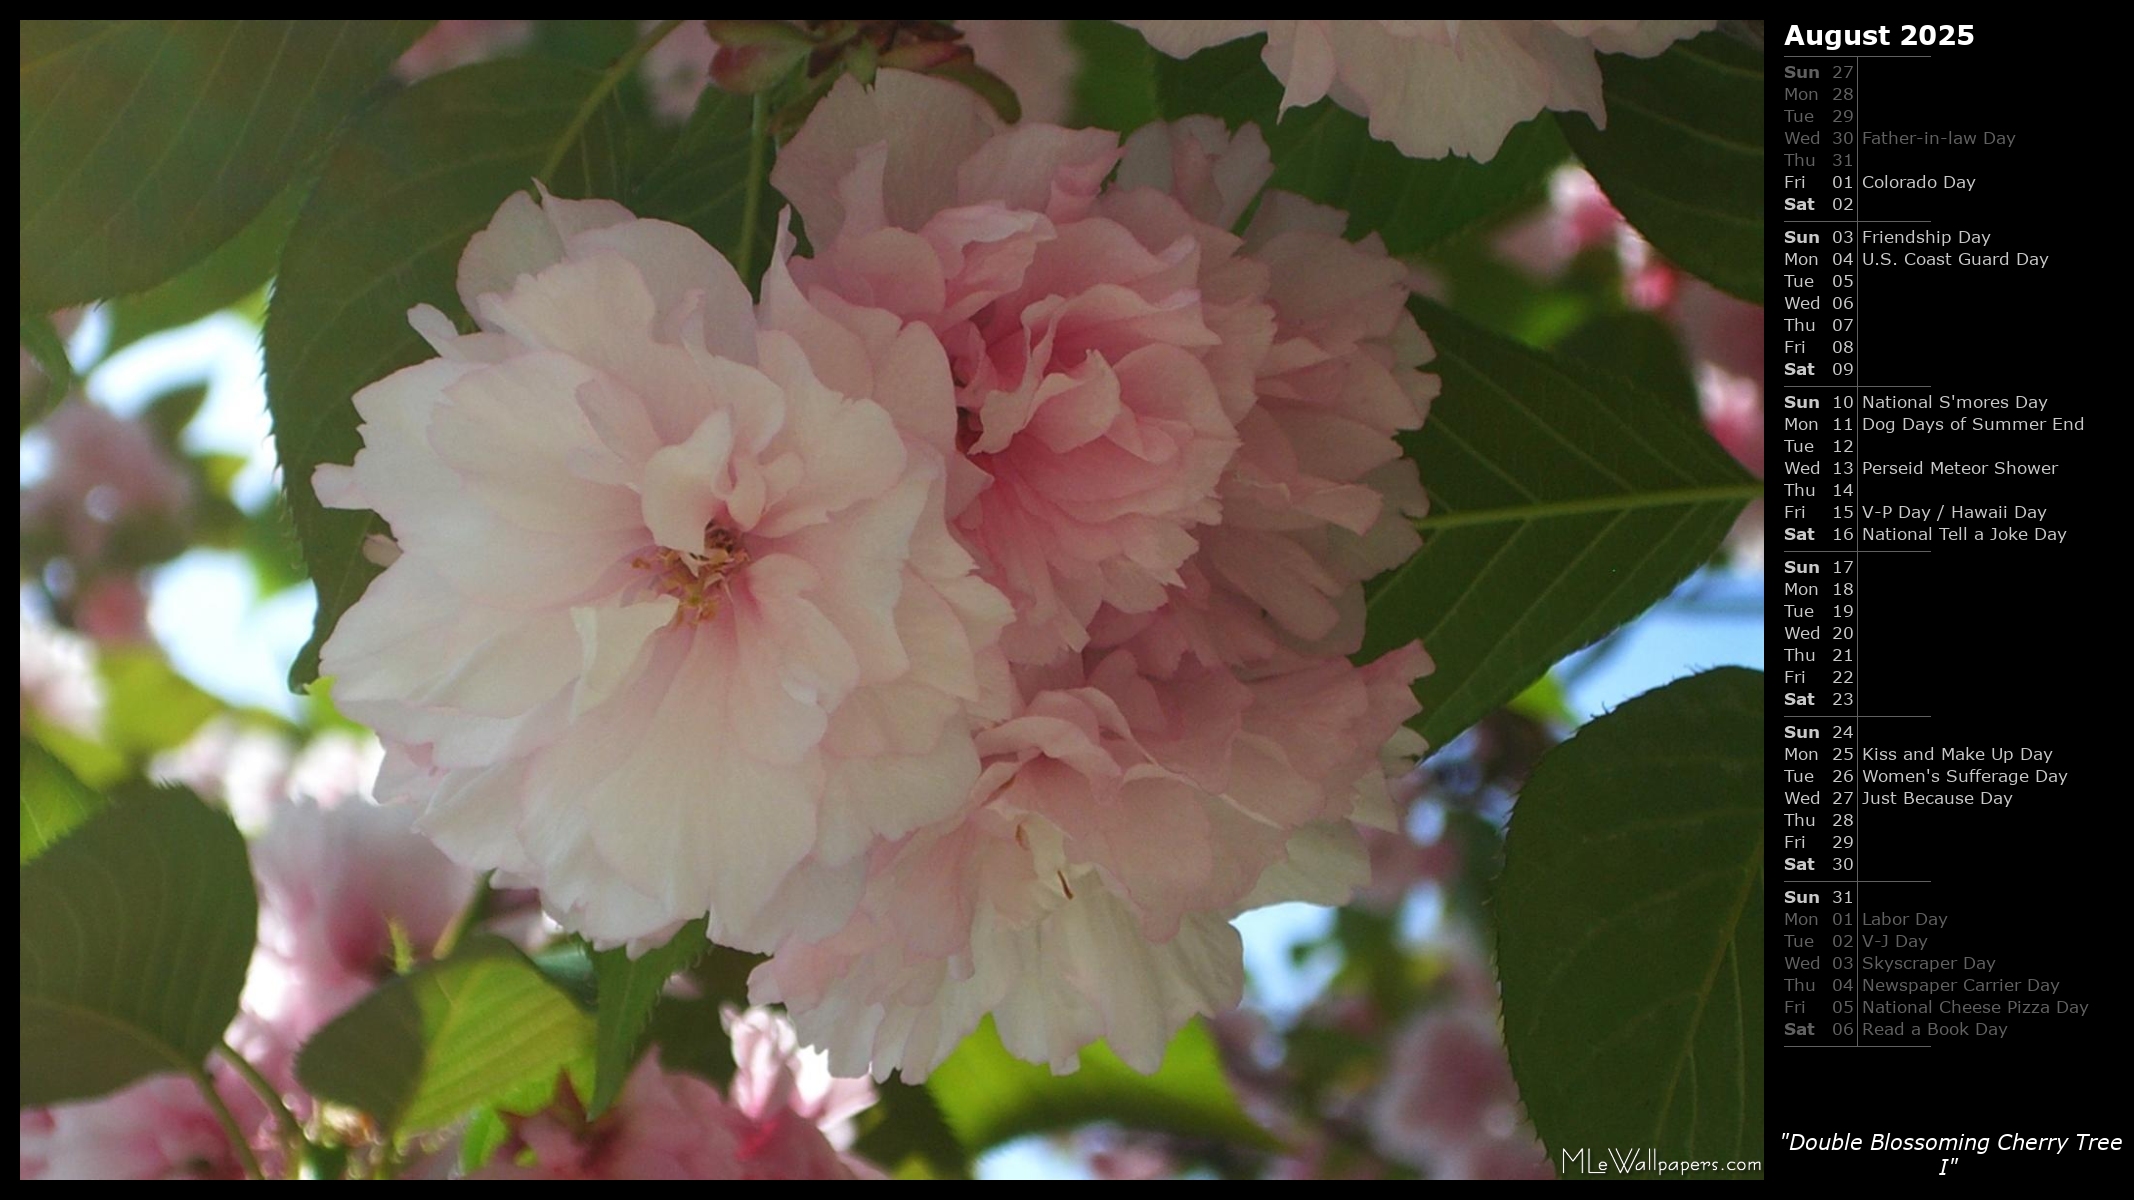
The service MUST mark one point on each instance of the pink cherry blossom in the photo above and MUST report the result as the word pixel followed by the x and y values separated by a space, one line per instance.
pixel 158 1128
pixel 706 623
pixel 107 474
pixel 239 765
pixel 1580 217
pixel 1517 1155
pixel 784 1118
pixel 1184 548
pixel 664 1125
pixel 113 609
pixel 1434 88
pixel 1448 1102
pixel 59 680
pixel 333 881
pixel 676 625
pixel 677 69
pixel 1101 344
pixel 1400 864
pixel 1724 336
pixel 254 770
pixel 336 767
pixel 1318 498
pixel 793 1118
pixel 774 1075
pixel 451 44
pixel 1132 1160
pixel 1124 820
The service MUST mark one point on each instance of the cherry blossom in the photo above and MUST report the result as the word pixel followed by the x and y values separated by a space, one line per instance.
pixel 334 883
pixel 783 1117
pixel 1434 88
pixel 1100 344
pixel 1180 479
pixel 675 625
pixel 109 476
pixel 159 1128
pixel 59 680
pixel 451 44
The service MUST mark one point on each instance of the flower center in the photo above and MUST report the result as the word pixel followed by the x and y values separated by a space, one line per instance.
pixel 699 581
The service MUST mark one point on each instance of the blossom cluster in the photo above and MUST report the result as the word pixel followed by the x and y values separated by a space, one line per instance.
pixel 336 873
pixel 108 498
pixel 1434 88
pixel 783 1117
pixel 966 622
pixel 339 878
pixel 1448 1103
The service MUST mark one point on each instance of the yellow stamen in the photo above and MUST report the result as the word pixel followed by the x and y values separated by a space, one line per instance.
pixel 698 581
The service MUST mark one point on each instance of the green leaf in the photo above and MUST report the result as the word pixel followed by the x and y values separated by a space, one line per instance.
pixel 584 43
pixel 569 965
pixel 1563 503
pixel 906 1135
pixel 410 182
pixel 237 269
pixel 485 1134
pixel 136 931
pixel 1530 311
pixel 1683 155
pixel 1640 350
pixel 1417 205
pixel 269 545
pixel 483 1028
pixel 1630 926
pixel 1116 86
pixel 1544 701
pixel 1327 153
pixel 716 181
pixel 149 706
pixel 168 415
pixel 989 1096
pixel 1228 81
pixel 88 757
pixel 54 799
pixel 41 341
pixel 146 144
pixel 629 990
pixel 690 1032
